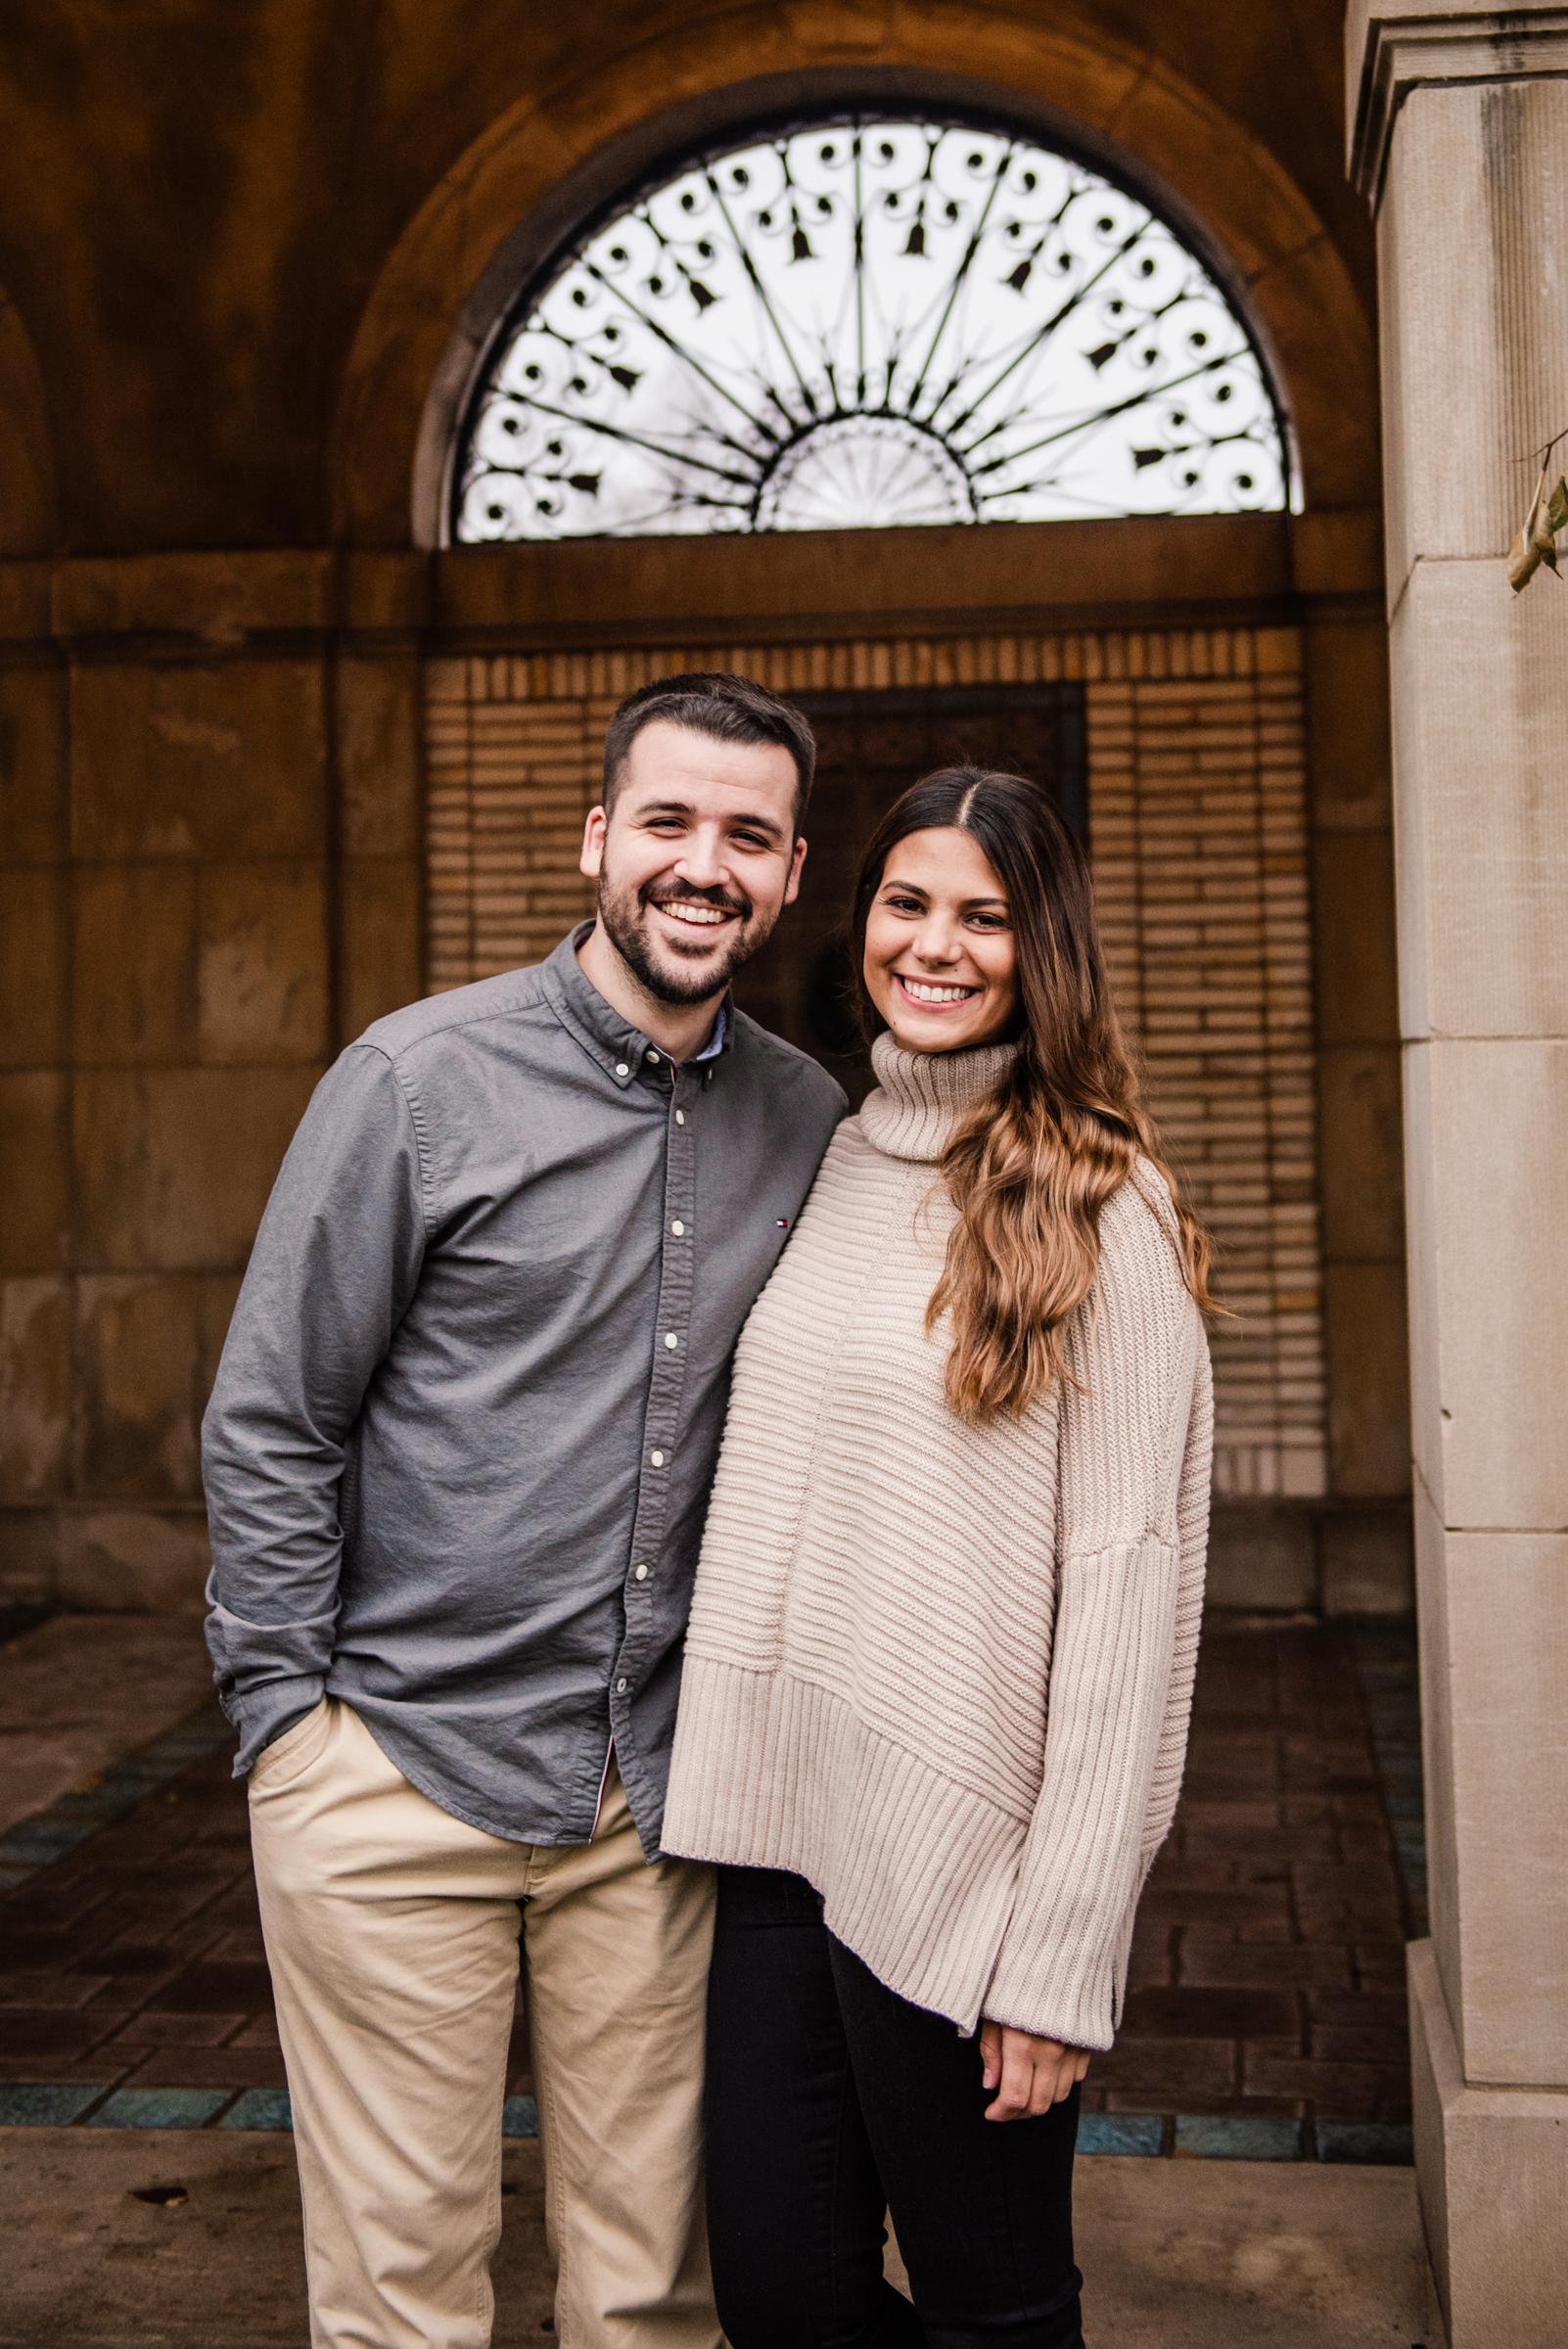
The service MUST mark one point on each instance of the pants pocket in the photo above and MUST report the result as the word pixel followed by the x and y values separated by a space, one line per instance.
pixel 283 1761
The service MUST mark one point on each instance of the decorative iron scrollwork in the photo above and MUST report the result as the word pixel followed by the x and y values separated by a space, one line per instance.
pixel 866 323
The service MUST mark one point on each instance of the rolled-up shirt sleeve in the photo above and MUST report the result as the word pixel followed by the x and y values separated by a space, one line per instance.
pixel 334 1266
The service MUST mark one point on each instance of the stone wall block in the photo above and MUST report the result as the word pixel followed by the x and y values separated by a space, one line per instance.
pixel 220 594
pixel 1438 1669
pixel 137 1351
pixel 1482 812
pixel 1509 1622
pixel 1367 1560
pixel 30 1555
pixel 262 963
pixel 133 995
pixel 34 1171
pixel 199 759
pixel 34 1388
pixel 1261 1554
pixel 134 1561
pixel 1364 1325
pixel 35 966
pixel 1487 1145
pixel 1352 948
pixel 174 1165
pixel 1493 2177
pixel 378 721
pixel 34 805
pixel 382 924
pixel 1470 242
pixel 1348 745
pixel 1362 1149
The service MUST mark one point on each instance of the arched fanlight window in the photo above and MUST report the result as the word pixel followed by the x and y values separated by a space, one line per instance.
pixel 867 322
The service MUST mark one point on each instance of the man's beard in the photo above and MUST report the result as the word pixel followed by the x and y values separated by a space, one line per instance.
pixel 668 977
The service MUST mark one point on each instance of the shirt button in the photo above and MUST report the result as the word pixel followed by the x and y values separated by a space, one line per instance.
pixel 642 1574
pixel 620 1687
pixel 650 1056
pixel 678 1228
pixel 622 1069
pixel 657 1458
pixel 671 1340
pixel 680 1117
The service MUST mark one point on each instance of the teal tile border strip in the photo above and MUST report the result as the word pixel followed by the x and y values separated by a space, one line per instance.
pixel 160 2109
pixel 1149 2136
pixel 48 1835
pixel 41 2104
pixel 1388 1664
pixel 1238 2137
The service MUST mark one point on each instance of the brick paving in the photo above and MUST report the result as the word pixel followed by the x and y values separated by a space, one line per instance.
pixel 1266 1987
pixel 135 1964
pixel 1268 1971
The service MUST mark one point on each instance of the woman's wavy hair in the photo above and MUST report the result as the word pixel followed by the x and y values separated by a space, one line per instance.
pixel 1031 1167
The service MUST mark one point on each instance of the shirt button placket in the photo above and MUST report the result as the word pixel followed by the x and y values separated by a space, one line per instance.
pixel 676 1286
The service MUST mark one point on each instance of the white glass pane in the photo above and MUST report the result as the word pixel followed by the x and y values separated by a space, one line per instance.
pixel 863 324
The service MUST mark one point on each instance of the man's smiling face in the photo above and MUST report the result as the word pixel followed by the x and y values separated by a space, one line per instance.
pixel 696 859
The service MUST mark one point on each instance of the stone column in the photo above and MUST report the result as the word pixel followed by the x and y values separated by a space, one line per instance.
pixel 1460 139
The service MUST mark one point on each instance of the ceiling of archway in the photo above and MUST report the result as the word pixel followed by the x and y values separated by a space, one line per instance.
pixel 865 323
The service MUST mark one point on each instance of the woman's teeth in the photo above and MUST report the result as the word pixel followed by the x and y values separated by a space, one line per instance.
pixel 924 994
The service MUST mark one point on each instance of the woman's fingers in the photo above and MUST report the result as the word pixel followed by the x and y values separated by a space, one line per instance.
pixel 1015 2089
pixel 1029 2075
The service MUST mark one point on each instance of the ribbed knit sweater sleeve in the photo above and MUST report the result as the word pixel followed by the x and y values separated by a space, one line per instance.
pixel 1129 1589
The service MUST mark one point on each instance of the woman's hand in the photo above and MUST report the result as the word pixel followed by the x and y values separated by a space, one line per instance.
pixel 1030 2075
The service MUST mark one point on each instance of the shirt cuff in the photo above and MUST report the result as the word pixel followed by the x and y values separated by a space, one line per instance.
pixel 262 1714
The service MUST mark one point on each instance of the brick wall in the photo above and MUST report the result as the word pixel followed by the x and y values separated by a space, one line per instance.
pixel 1198 835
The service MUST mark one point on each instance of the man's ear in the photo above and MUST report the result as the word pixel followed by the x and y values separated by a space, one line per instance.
pixel 592 861
pixel 792 887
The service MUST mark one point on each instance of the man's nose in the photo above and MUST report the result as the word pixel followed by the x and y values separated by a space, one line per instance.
pixel 702 859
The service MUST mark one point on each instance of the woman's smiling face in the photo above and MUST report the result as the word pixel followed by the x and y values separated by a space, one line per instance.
pixel 940 959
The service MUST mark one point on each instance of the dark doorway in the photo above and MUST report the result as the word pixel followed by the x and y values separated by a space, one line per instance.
pixel 870 748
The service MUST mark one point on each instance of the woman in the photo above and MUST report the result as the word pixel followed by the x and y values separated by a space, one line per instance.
pixel 942 1650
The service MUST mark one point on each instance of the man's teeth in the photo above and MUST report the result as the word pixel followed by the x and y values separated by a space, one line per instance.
pixel 693 913
pixel 923 994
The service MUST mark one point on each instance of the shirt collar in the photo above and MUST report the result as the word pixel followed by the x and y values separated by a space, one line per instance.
pixel 713 1049
pixel 618 1049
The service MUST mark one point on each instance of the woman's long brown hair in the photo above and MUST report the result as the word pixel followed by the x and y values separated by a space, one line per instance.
pixel 1031 1167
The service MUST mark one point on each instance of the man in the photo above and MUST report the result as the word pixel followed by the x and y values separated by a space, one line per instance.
pixel 457 1459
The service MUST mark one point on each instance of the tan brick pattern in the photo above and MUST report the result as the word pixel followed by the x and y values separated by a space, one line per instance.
pixel 1198 823
pixel 1198 820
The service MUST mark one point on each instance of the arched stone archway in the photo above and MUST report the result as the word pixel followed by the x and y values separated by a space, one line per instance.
pixel 546 163
pixel 1325 1306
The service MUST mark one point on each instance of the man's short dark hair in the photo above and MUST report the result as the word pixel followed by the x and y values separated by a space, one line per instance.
pixel 719 705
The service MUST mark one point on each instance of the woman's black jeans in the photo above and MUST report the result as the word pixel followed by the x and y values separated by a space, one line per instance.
pixel 831 2100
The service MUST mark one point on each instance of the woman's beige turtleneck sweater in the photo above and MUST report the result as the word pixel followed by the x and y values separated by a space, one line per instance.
pixel 943 1671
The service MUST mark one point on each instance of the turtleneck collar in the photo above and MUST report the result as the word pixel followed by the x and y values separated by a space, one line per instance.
pixel 921 1096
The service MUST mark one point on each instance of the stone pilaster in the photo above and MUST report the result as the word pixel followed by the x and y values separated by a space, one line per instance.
pixel 1459 135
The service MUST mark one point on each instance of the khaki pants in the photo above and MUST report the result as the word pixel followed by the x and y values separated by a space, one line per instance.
pixel 392 1931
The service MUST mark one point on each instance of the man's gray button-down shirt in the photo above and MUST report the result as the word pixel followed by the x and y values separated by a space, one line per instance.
pixel 459 1450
